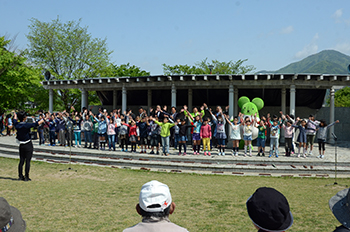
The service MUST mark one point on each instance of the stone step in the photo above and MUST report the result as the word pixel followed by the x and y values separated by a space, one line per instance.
pixel 175 163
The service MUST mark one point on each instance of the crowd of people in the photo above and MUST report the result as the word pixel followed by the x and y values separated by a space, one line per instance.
pixel 146 131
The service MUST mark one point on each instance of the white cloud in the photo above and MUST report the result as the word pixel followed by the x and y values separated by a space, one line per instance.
pixel 287 30
pixel 309 49
pixel 338 13
pixel 343 47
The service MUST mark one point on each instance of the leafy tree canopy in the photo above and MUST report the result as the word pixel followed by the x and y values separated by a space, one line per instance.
pixel 202 67
pixel 125 70
pixel 19 81
pixel 68 51
pixel 342 97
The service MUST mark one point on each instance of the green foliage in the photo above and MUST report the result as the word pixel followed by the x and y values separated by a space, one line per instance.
pixel 68 51
pixel 19 82
pixel 202 67
pixel 125 70
pixel 342 97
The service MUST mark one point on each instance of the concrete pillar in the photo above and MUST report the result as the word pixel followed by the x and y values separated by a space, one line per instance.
pixel 235 109
pixel 115 99
pixel 230 112
pixel 149 99
pixel 124 98
pixel 283 108
pixel 173 95
pixel 331 116
pixel 50 100
pixel 292 100
pixel 84 98
pixel 231 100
pixel 190 94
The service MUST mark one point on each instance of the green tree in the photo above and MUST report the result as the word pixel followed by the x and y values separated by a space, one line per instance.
pixel 19 81
pixel 342 97
pixel 68 51
pixel 124 70
pixel 202 67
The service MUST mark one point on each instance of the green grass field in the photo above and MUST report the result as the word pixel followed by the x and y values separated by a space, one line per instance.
pixel 104 199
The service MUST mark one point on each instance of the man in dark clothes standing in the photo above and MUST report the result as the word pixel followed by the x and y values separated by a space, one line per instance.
pixel 26 145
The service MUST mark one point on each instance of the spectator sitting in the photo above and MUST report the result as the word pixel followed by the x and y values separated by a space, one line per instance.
pixel 155 205
pixel 10 218
pixel 269 210
pixel 339 204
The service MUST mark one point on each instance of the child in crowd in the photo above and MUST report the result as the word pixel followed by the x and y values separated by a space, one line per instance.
pixel 111 133
pixel 311 125
pixel 117 121
pixel 261 137
pixel 302 135
pixel 176 132
pixel 52 127
pixel 102 130
pixel 197 123
pixel 235 134
pixel 247 123
pixel 165 132
pixel 41 131
pixel 288 134
pixel 183 135
pixel 220 131
pixel 154 133
pixel 143 130
pixel 322 136
pixel 87 128
pixel 76 130
pixel 132 134
pixel 61 128
pixel 274 137
pixel 205 135
pixel 123 135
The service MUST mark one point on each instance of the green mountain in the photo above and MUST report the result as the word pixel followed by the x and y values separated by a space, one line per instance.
pixel 324 62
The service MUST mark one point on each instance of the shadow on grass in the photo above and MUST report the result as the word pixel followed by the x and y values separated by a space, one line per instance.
pixel 8 178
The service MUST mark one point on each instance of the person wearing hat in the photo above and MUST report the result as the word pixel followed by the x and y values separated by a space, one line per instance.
pixel 10 218
pixel 25 142
pixel 339 204
pixel 269 210
pixel 155 205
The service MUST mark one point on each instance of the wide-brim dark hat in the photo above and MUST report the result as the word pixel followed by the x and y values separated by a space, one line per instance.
pixel 10 217
pixel 339 204
pixel 269 210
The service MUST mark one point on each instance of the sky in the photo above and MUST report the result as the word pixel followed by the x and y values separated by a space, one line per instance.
pixel 270 34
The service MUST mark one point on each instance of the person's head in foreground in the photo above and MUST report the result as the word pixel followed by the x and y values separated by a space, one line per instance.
pixel 155 205
pixel 269 210
pixel 339 204
pixel 10 218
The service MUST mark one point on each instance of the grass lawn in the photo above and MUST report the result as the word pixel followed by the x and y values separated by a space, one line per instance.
pixel 104 199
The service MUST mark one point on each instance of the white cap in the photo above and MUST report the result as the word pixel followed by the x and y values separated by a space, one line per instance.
pixel 152 194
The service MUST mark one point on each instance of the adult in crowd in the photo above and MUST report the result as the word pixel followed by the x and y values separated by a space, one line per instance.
pixel 340 207
pixel 269 210
pixel 2 127
pixel 10 218
pixel 25 143
pixel 155 205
